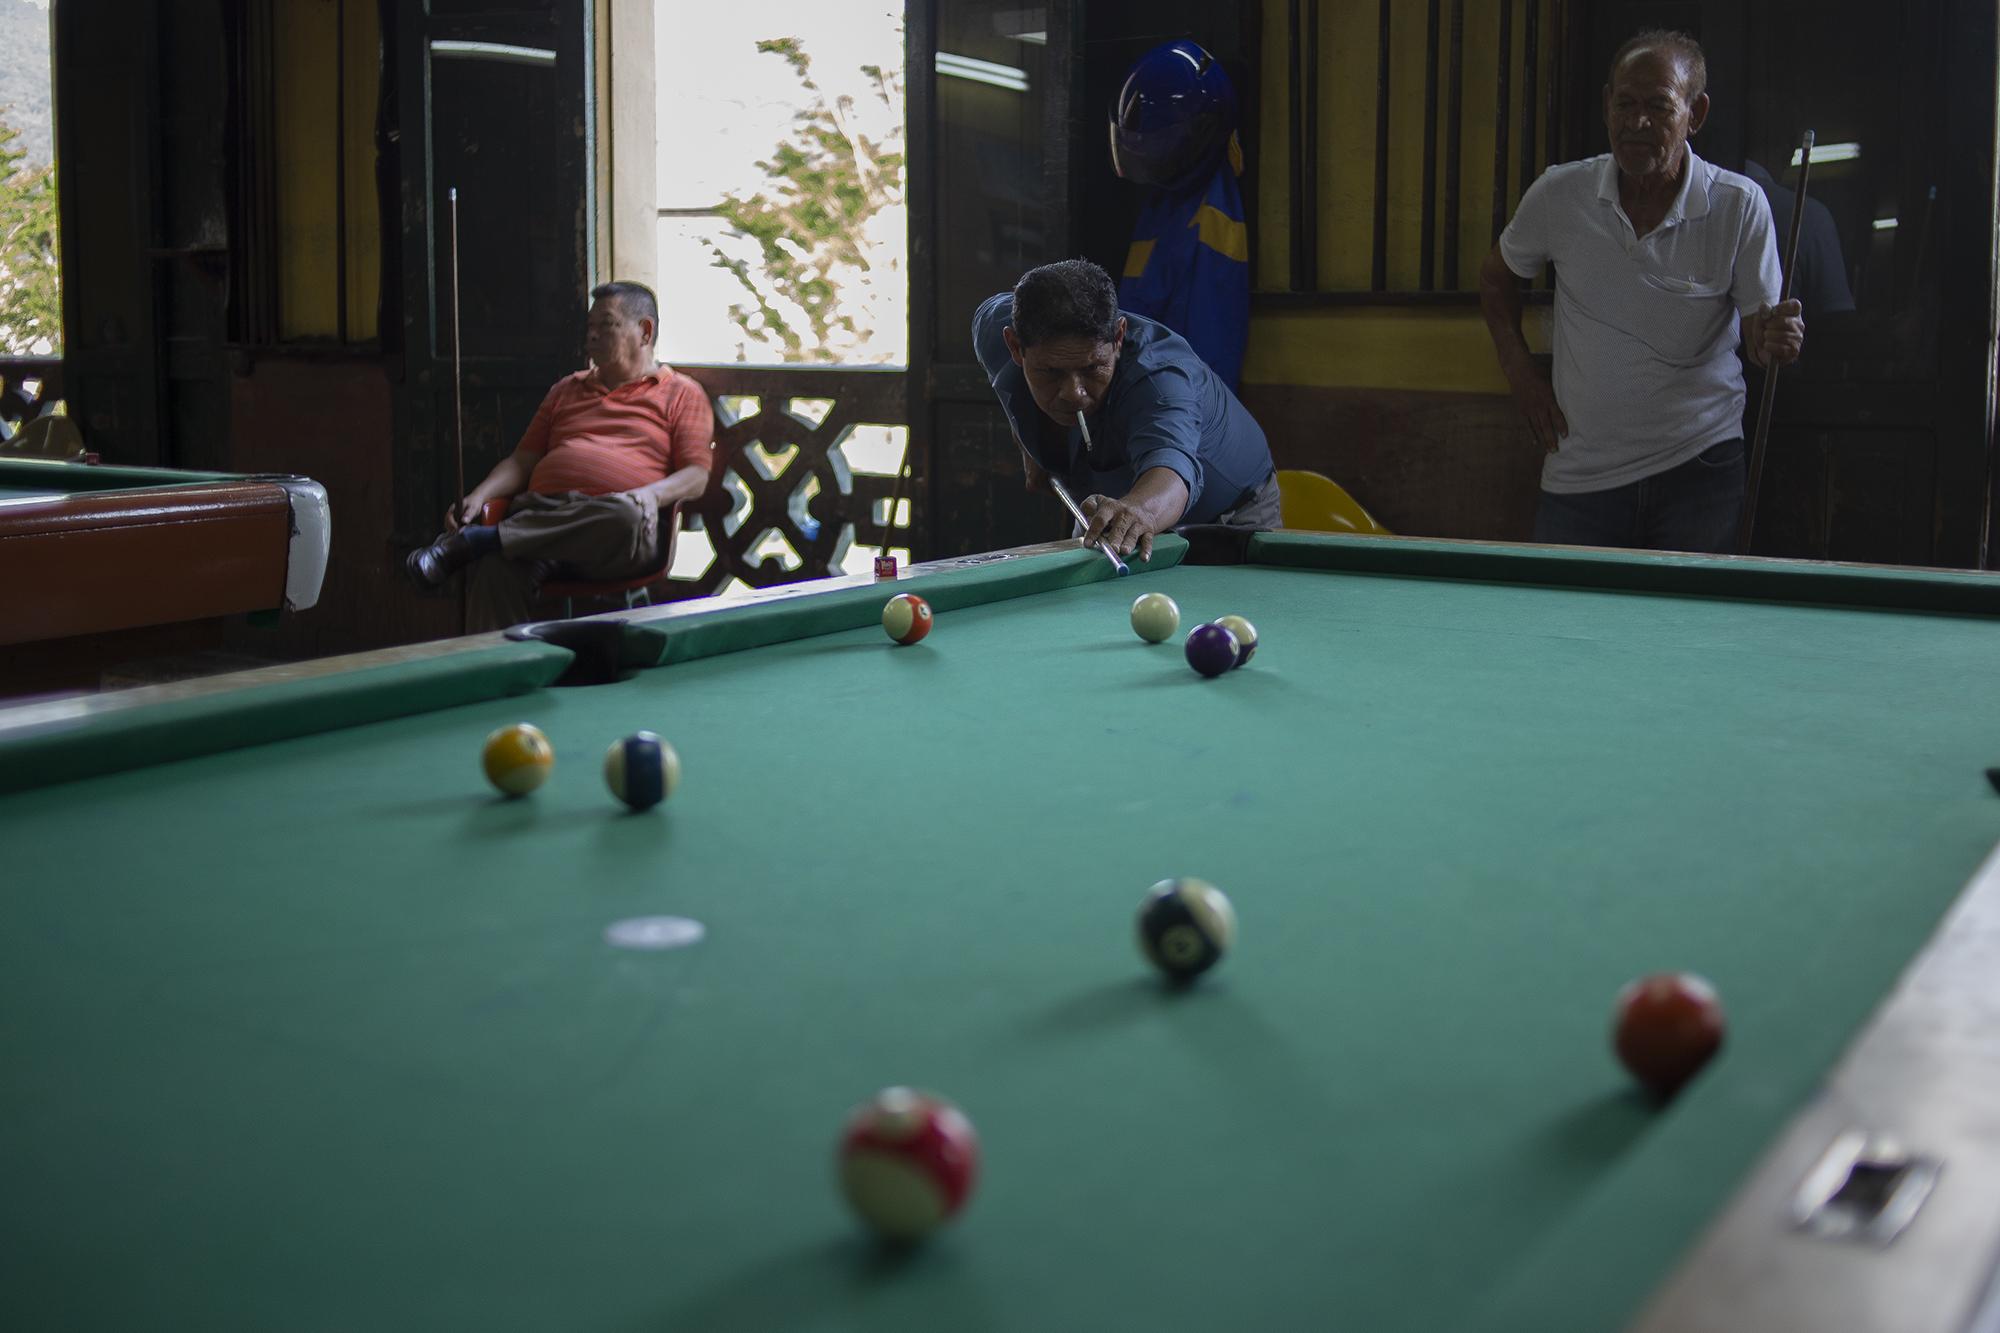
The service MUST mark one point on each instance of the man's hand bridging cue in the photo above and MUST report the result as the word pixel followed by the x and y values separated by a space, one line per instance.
pixel 1118 525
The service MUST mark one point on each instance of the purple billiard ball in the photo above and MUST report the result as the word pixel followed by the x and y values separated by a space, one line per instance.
pixel 1211 649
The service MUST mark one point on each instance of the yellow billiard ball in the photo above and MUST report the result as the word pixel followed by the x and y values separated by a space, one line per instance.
pixel 518 759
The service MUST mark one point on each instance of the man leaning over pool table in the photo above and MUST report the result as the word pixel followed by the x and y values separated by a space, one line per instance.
pixel 1169 443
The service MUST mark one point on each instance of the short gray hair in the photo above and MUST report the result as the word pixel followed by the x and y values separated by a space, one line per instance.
pixel 1677 44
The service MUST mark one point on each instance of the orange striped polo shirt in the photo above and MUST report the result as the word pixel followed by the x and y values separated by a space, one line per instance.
pixel 599 440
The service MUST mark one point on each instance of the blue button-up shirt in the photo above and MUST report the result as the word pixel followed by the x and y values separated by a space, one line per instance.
pixel 1165 408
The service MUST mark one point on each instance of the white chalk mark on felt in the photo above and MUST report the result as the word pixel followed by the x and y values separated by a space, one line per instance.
pixel 654 933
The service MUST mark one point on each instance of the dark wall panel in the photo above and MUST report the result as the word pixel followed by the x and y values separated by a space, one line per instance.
pixel 982 504
pixel 515 137
pixel 107 148
pixel 1424 464
pixel 334 422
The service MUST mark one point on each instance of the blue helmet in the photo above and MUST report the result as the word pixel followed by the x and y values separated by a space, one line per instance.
pixel 1173 118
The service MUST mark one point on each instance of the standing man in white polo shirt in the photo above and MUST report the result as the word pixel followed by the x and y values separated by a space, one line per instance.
pixel 1663 263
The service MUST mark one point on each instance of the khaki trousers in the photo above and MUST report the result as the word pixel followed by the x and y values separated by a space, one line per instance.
pixel 571 536
pixel 1262 508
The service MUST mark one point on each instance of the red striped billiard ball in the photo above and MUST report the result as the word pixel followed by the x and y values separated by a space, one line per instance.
pixel 1669 1025
pixel 908 1162
pixel 907 617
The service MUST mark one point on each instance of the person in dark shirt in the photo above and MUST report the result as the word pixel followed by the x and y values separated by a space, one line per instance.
pixel 1820 280
pixel 1169 442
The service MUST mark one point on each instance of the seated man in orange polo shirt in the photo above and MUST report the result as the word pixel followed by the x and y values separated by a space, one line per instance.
pixel 611 449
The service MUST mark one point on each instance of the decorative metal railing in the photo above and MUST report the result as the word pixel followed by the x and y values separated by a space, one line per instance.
pixel 802 490
pixel 803 487
pixel 30 387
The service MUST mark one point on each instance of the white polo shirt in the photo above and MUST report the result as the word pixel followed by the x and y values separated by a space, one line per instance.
pixel 1646 326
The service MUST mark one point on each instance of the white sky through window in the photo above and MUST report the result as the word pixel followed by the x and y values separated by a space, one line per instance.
pixel 723 107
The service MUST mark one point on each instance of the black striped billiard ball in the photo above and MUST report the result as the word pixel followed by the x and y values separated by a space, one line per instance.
pixel 1185 926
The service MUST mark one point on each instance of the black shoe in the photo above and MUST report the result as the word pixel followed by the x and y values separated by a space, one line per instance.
pixel 431 566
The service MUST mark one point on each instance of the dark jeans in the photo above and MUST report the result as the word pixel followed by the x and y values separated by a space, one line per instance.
pixel 1697 506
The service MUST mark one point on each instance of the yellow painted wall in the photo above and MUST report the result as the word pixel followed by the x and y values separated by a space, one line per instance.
pixel 1387 346
pixel 363 40
pixel 312 125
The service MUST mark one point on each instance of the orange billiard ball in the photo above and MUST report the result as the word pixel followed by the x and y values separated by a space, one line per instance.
pixel 1669 1025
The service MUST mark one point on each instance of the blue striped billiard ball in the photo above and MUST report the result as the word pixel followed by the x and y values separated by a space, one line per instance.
pixel 642 770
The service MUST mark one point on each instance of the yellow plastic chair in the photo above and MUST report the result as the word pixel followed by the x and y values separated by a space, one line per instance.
pixel 47 437
pixel 1309 502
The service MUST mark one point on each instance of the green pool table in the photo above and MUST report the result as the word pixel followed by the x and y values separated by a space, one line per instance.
pixel 302 1026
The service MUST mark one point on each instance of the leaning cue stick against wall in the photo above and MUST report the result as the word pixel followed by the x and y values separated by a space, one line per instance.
pixel 1770 391
pixel 457 404
pixel 885 564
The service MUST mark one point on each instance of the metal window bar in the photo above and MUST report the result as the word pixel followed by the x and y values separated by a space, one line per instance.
pixel 1502 105
pixel 1427 244
pixel 340 168
pixel 1558 71
pixel 1379 272
pixel 1454 120
pixel 1311 138
pixel 1530 39
pixel 254 313
pixel 1295 107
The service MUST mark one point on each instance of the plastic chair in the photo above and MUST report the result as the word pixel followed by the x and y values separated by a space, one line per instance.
pixel 1309 502
pixel 48 437
pixel 634 591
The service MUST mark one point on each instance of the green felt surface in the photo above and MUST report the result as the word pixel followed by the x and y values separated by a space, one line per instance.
pixel 320 1034
pixel 24 477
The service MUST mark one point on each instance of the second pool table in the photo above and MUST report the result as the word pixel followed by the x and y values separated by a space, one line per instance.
pixel 103 563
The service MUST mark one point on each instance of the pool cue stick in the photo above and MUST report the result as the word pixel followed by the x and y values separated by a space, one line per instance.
pixel 1084 426
pixel 896 498
pixel 1076 512
pixel 1770 391
pixel 457 393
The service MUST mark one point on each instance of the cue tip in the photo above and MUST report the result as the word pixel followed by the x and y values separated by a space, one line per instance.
pixel 1993 778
